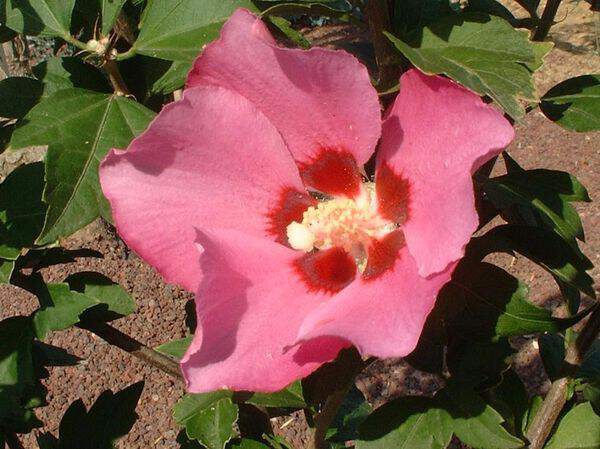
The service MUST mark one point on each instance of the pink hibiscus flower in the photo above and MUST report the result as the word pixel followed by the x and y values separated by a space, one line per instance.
pixel 259 168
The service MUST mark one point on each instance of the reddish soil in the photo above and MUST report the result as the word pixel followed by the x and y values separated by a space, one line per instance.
pixel 161 308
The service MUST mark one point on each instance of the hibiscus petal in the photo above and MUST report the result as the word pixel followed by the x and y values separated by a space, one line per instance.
pixel 435 136
pixel 250 305
pixel 320 100
pixel 209 160
pixel 381 316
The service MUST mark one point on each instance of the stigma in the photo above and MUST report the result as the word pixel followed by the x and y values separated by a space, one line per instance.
pixel 347 223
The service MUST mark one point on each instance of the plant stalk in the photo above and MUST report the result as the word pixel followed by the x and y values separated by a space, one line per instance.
pixel 116 80
pixel 128 344
pixel 547 20
pixel 553 403
pixel 379 18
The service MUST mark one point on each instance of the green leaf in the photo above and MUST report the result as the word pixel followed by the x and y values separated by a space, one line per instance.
pixel 175 348
pixel 110 12
pixel 484 302
pixel 510 399
pixel 591 392
pixel 533 408
pixel 111 417
pixel 352 413
pixel 277 441
pixel 246 443
pixel 172 79
pixel 574 104
pixel 69 71
pixel 285 26
pixel 178 30
pixel 482 52
pixel 339 10
pixel 43 17
pixel 411 14
pixel 82 292
pixel 18 95
pixel 578 429
pixel 475 423
pixel 21 209
pixel 547 192
pixel 80 127
pixel 207 418
pixel 6 270
pixel 19 386
pixel 545 248
pixel 290 397
pixel 479 364
pixel 113 300
pixel 409 422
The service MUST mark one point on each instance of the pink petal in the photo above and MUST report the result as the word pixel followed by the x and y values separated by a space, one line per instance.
pixel 209 160
pixel 250 305
pixel 382 316
pixel 318 99
pixel 435 136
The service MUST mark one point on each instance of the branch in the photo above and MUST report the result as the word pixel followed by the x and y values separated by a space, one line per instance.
pixel 34 284
pixel 128 344
pixel 546 417
pixel 387 61
pixel 547 20
pixel 116 80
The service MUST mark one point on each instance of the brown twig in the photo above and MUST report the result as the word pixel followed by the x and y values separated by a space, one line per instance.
pixel 35 285
pixel 547 20
pixel 116 80
pixel 553 403
pixel 128 344
pixel 387 61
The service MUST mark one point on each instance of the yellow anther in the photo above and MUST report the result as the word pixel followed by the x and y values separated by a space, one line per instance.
pixel 341 222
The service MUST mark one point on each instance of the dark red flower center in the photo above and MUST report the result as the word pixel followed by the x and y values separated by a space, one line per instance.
pixel 355 229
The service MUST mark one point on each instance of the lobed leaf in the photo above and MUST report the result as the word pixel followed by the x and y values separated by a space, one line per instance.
pixel 18 95
pixel 543 247
pixel 290 397
pixel 574 104
pixel 21 209
pixel 84 291
pixel 80 127
pixel 6 269
pixel 20 390
pixel 484 53
pixel 544 192
pixel 578 429
pixel 39 17
pixel 429 423
pixel 175 348
pixel 177 30
pixel 208 418
pixel 65 72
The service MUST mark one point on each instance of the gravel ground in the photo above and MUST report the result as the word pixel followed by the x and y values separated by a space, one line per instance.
pixel 161 314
